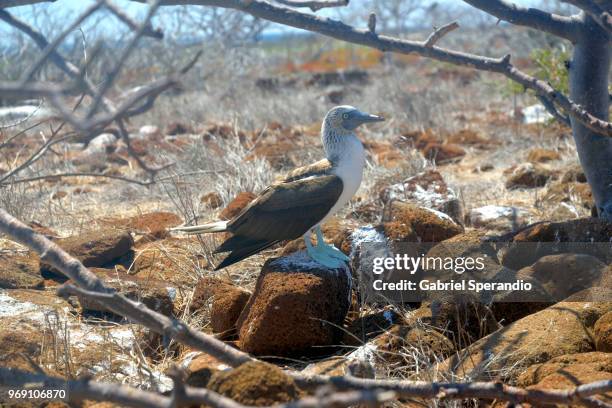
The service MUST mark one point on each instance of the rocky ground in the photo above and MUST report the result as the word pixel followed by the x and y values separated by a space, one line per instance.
pixel 488 174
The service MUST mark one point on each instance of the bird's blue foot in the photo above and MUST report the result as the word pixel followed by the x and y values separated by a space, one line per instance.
pixel 323 255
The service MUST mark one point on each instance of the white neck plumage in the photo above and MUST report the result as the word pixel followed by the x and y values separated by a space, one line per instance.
pixel 340 144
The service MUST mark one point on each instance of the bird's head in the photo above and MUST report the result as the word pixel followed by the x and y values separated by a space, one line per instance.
pixel 345 119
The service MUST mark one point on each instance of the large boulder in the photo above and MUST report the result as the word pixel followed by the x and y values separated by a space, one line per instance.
pixel 563 328
pixel 297 304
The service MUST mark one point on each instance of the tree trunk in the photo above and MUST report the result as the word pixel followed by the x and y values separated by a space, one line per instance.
pixel 589 70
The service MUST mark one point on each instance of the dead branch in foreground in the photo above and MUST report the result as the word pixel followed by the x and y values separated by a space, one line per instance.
pixel 352 390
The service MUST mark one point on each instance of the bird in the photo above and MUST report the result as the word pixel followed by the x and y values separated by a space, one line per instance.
pixel 297 204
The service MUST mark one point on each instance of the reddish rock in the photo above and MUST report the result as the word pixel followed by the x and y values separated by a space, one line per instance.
pixel 19 345
pixel 590 236
pixel 237 205
pixel 227 302
pixel 402 221
pixel 95 248
pixel 201 369
pixel 528 176
pixel 570 192
pixel 539 155
pixel 256 384
pixel 178 128
pixel 551 272
pixel 212 200
pixel 469 137
pixel 153 225
pixel 569 371
pixel 169 260
pixel 603 333
pixel 431 345
pixel 294 298
pixel 574 174
pixel 427 189
pixel 154 294
pixel 442 153
pixel 20 272
pixel 563 328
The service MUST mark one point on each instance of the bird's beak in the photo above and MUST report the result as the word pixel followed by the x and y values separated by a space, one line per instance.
pixel 367 118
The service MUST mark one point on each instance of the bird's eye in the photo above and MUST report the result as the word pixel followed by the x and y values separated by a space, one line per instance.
pixel 345 116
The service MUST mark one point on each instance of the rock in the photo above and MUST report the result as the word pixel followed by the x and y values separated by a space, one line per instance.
pixel 362 329
pixel 228 301
pixel 550 273
pixel 154 294
pixel 539 155
pixel 20 272
pixel 563 328
pixel 256 384
pixel 169 260
pixel 148 132
pixel 590 236
pixel 528 176
pixel 403 221
pixel 574 174
pixel 153 225
pixel 469 137
pixel 201 368
pixel 212 200
pixel 103 143
pixel 442 153
pixel 568 371
pixel 96 248
pixel 603 333
pixel 427 189
pixel 496 217
pixel 294 297
pixel 398 344
pixel 570 192
pixel 178 128
pixel 237 205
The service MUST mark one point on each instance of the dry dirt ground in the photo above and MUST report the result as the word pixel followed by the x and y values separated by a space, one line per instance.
pixel 452 142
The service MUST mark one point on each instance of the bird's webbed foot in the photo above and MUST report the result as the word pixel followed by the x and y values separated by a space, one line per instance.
pixel 329 250
pixel 323 256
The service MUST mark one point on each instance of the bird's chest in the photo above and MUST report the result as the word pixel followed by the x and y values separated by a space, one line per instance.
pixel 350 170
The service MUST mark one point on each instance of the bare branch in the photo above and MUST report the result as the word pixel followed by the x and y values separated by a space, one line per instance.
pixel 344 32
pixel 90 285
pixel 582 394
pixel 561 26
pixel 601 16
pixel 439 33
pixel 148 30
pixel 552 109
pixel 314 5
pixel 17 3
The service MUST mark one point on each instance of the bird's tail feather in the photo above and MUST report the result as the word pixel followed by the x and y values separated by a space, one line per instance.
pixel 244 251
pixel 219 226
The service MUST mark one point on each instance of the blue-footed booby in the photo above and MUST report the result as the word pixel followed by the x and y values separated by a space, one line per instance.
pixel 299 203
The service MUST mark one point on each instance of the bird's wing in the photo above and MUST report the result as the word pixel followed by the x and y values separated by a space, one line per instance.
pixel 320 168
pixel 287 210
pixel 283 211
